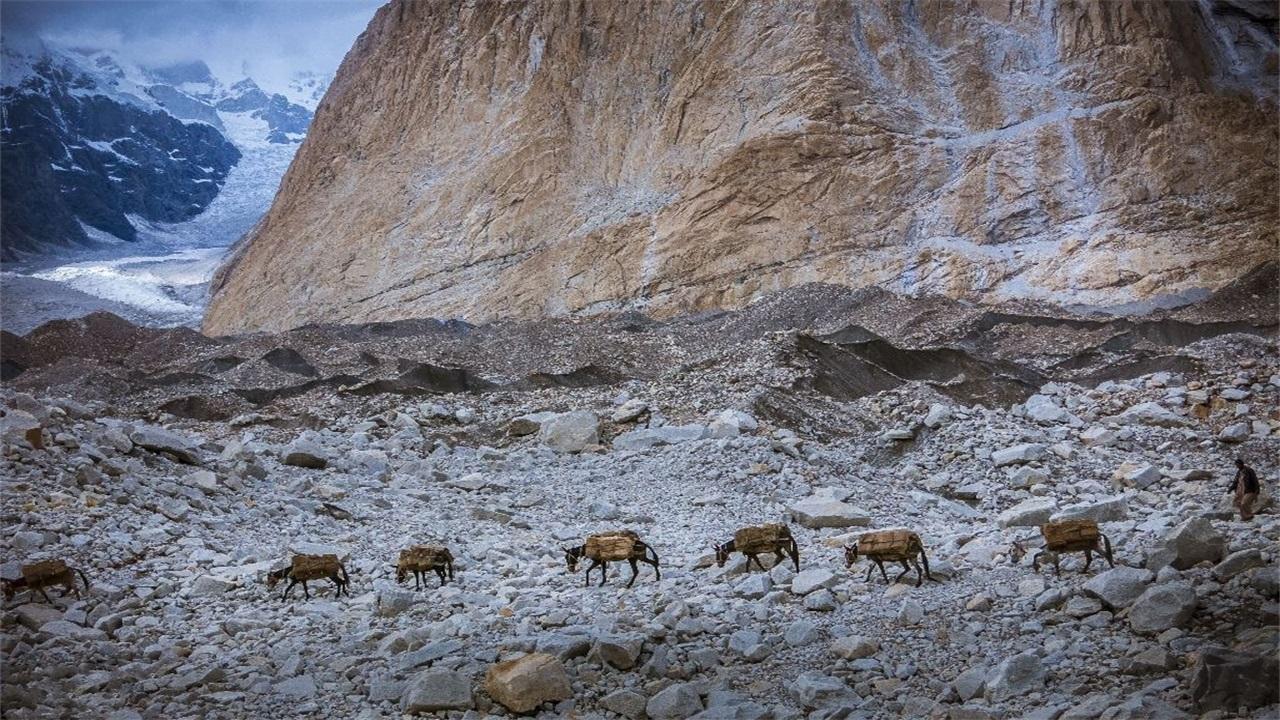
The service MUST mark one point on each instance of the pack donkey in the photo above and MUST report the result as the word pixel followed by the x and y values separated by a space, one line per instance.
pixel 44 574
pixel 1067 536
pixel 902 546
pixel 312 567
pixel 604 548
pixel 755 540
pixel 422 559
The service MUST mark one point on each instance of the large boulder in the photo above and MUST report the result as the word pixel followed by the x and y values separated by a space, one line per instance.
pixel 1106 509
pixel 528 424
pixel 620 651
pixel 1236 563
pixel 158 439
pixel 645 438
pixel 1195 541
pixel 675 702
pixel 1028 513
pixel 1018 454
pixel 1043 409
pixel 305 453
pixel 21 426
pixel 825 511
pixel 1226 680
pixel 523 684
pixel 437 689
pixel 1018 675
pixel 1162 607
pixel 812 689
pixel 1117 588
pixel 571 432
pixel 1150 413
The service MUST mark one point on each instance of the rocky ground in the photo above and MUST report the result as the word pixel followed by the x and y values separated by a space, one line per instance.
pixel 684 431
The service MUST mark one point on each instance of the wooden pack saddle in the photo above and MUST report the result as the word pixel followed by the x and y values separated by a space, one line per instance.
pixel 1070 535
pixel 615 545
pixel 760 538
pixel 313 567
pixel 39 572
pixel 890 544
pixel 424 556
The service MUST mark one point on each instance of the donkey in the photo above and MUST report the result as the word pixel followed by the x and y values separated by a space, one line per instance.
pixel 901 546
pixel 603 549
pixel 751 541
pixel 311 567
pixel 41 575
pixel 1067 536
pixel 422 559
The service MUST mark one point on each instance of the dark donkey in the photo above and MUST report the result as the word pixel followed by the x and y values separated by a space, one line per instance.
pixel 603 548
pixel 901 546
pixel 312 567
pixel 752 541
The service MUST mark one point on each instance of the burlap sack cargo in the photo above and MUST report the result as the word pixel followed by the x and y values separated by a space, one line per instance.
pixel 313 567
pixel 37 573
pixel 611 546
pixel 759 538
pixel 424 557
pixel 889 544
pixel 1070 535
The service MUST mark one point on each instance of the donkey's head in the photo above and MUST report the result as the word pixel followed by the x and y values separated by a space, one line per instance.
pixel 1017 552
pixel 275 576
pixel 572 556
pixel 722 553
pixel 850 555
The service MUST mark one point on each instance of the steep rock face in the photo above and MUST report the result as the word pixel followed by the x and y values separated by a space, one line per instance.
pixel 488 160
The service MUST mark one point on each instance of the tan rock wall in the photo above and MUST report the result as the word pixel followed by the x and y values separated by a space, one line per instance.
pixel 493 160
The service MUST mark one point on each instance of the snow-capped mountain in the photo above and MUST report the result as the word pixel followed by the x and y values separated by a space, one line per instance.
pixel 97 149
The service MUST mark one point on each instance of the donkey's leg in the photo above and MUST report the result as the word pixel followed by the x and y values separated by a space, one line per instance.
pixel 45 595
pixel 880 564
pixel 440 572
pixel 925 559
pixel 870 569
pixel 905 569
pixel 594 564
pixel 305 593
pixel 635 572
pixel 919 573
pixel 292 582
pixel 604 573
pixel 1088 560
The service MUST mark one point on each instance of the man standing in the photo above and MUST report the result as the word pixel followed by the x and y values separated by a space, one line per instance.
pixel 1246 487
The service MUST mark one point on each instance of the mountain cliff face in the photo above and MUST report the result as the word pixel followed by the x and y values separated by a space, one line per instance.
pixel 482 160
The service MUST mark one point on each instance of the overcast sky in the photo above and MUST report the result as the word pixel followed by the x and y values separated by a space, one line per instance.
pixel 267 39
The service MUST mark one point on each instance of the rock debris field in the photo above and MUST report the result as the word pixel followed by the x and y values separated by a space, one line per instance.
pixel 176 522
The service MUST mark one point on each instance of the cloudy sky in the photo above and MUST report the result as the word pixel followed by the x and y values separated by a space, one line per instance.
pixel 267 39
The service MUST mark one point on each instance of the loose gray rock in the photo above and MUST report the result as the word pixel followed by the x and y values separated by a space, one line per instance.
pixel 570 432
pixel 437 689
pixel 1227 680
pixel 1015 676
pixel 1236 563
pixel 1117 588
pixel 677 701
pixel 1195 541
pixel 1162 607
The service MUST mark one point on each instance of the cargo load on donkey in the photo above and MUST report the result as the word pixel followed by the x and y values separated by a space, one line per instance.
pixel 611 546
pixel 618 545
pixel 1068 536
pixel 755 540
pixel 901 546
